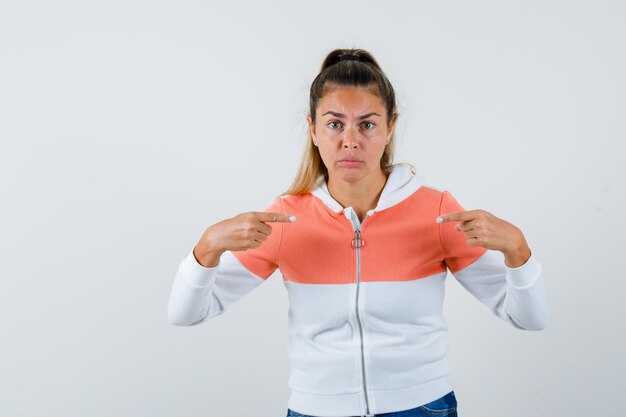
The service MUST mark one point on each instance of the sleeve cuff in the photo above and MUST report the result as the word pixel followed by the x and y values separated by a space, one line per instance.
pixel 525 275
pixel 196 274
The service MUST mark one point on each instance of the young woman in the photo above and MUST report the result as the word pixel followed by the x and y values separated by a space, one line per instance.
pixel 364 247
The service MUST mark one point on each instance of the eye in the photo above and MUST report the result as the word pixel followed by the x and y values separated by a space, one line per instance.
pixel 372 124
pixel 333 121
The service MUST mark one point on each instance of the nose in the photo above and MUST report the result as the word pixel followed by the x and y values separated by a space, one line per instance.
pixel 350 138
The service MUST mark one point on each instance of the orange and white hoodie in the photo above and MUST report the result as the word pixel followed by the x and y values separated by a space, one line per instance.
pixel 366 330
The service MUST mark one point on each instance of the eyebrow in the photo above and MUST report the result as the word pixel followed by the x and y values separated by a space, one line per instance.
pixel 365 116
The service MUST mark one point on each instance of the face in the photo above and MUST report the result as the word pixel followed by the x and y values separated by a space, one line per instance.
pixel 351 132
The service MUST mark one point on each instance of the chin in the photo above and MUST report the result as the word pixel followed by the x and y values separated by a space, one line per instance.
pixel 349 174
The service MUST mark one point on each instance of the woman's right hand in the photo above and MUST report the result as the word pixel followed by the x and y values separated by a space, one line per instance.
pixel 241 232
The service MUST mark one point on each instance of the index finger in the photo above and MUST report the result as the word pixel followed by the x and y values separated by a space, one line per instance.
pixel 457 216
pixel 268 216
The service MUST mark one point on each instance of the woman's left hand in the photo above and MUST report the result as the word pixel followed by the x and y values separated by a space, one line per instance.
pixel 482 228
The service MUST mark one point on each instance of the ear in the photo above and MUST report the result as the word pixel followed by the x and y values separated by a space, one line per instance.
pixel 311 128
pixel 391 127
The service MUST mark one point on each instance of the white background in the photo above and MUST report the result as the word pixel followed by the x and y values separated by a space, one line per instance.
pixel 128 127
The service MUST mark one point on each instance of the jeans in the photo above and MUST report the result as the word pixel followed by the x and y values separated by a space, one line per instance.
pixel 444 406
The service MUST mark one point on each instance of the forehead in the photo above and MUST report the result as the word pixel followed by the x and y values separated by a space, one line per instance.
pixel 353 99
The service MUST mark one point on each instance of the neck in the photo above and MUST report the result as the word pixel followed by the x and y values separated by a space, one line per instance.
pixel 361 195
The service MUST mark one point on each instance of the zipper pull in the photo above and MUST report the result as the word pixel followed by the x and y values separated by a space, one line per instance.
pixel 359 242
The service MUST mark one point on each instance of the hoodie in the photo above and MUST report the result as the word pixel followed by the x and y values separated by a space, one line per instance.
pixel 366 328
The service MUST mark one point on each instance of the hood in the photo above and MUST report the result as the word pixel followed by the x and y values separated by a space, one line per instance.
pixel 401 183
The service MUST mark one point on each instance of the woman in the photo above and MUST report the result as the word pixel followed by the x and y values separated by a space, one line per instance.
pixel 364 247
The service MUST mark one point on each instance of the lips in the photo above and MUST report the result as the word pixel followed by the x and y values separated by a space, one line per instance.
pixel 350 163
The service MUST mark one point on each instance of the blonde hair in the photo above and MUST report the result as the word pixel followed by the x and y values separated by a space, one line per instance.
pixel 334 72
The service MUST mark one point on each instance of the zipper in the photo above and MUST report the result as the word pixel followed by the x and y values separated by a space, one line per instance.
pixel 360 243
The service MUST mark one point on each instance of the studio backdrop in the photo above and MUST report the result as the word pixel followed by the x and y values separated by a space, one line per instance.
pixel 129 127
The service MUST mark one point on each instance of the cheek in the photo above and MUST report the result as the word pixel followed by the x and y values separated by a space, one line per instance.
pixel 376 151
pixel 328 152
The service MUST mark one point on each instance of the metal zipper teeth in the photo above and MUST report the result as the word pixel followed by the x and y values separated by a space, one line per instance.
pixel 358 281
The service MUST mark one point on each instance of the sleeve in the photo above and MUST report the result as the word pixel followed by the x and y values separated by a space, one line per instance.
pixel 516 295
pixel 199 293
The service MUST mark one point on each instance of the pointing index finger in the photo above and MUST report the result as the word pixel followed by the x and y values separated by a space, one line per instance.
pixel 457 216
pixel 268 216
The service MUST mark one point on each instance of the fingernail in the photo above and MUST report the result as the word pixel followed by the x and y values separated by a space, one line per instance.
pixel 292 219
pixel 439 219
